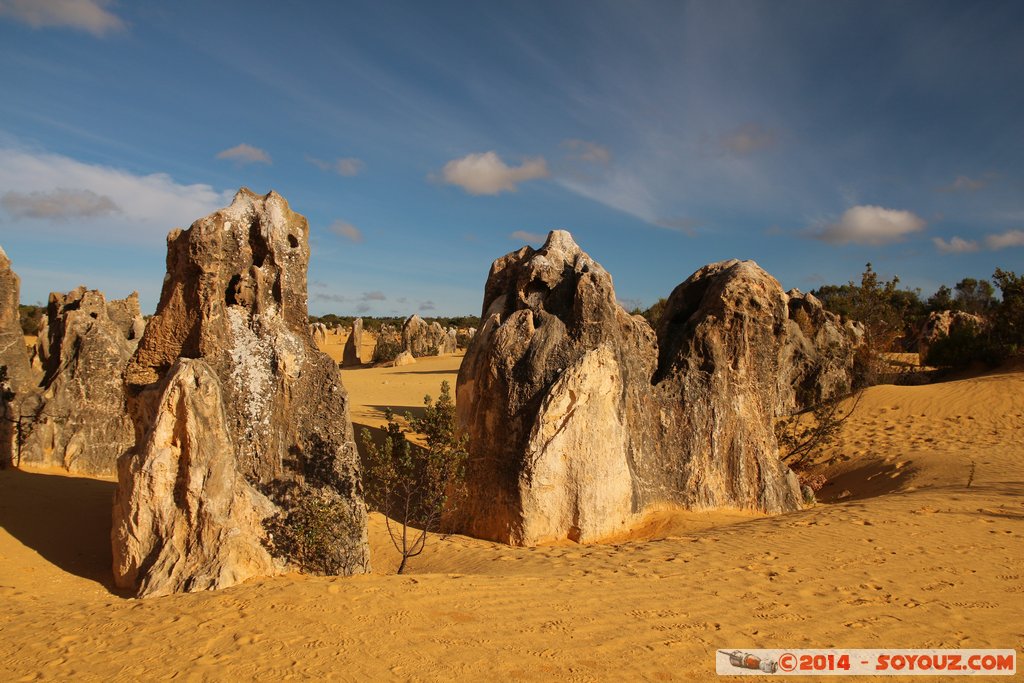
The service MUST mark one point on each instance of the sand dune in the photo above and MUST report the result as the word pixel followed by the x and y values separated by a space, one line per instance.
pixel 925 550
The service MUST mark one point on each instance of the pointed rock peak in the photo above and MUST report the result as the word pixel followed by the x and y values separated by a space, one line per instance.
pixel 560 241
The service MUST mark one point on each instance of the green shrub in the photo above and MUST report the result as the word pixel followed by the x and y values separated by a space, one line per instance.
pixel 415 486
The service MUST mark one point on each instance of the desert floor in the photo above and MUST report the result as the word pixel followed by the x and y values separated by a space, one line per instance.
pixel 925 548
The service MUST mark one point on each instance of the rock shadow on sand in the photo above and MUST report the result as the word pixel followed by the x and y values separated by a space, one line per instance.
pixel 65 519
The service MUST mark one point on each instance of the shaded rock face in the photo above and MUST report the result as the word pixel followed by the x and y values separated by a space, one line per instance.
pixel 943 323
pixel 14 357
pixel 352 354
pixel 82 423
pixel 581 417
pixel 818 353
pixel 188 520
pixel 422 339
pixel 235 297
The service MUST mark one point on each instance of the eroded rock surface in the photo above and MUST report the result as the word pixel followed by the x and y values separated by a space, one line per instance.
pixel 581 417
pixel 943 323
pixel 81 423
pixel 422 339
pixel 235 297
pixel 187 520
pixel 14 357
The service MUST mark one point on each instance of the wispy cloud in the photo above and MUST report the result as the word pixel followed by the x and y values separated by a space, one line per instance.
pixel 91 16
pixel 346 166
pixel 531 237
pixel 374 296
pixel 107 204
pixel 427 306
pixel 687 226
pixel 245 154
pixel 871 225
pixel 584 150
pixel 956 245
pixel 363 308
pixel 964 183
pixel 346 230
pixel 486 173
pixel 749 138
pixel 59 204
pixel 1004 240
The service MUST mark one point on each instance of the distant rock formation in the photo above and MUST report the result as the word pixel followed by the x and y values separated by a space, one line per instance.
pixel 319 332
pixel 404 358
pixel 941 324
pixel 819 353
pixel 422 339
pixel 354 346
pixel 581 417
pixel 82 424
pixel 235 298
pixel 20 385
pixel 463 337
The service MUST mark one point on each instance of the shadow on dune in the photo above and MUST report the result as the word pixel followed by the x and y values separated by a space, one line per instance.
pixel 64 519
pixel 872 479
pixel 400 411
pixel 426 372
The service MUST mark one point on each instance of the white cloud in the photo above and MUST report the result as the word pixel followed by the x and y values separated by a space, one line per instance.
pixel 59 204
pixel 346 230
pixel 486 173
pixel 532 237
pixel 145 207
pixel 374 296
pixel 963 183
pixel 749 138
pixel 584 150
pixel 955 245
pixel 872 225
pixel 347 166
pixel 245 154
pixel 1010 238
pixel 87 15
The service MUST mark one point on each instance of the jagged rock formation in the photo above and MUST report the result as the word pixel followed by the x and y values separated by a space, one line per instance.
pixel 352 354
pixel 463 337
pixel 235 297
pixel 195 522
pixel 19 387
pixel 319 332
pixel 819 353
pixel 942 324
pixel 82 424
pixel 581 418
pixel 421 339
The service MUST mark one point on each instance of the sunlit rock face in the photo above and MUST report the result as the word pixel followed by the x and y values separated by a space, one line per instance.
pixel 234 297
pixel 81 423
pixel 582 417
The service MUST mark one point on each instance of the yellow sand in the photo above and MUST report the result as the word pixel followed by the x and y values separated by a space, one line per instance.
pixel 926 550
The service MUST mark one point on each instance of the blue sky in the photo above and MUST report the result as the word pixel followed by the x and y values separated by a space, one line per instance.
pixel 422 140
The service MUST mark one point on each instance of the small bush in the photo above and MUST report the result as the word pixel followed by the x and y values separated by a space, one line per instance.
pixel 964 346
pixel 413 485
pixel 387 349
pixel 319 522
